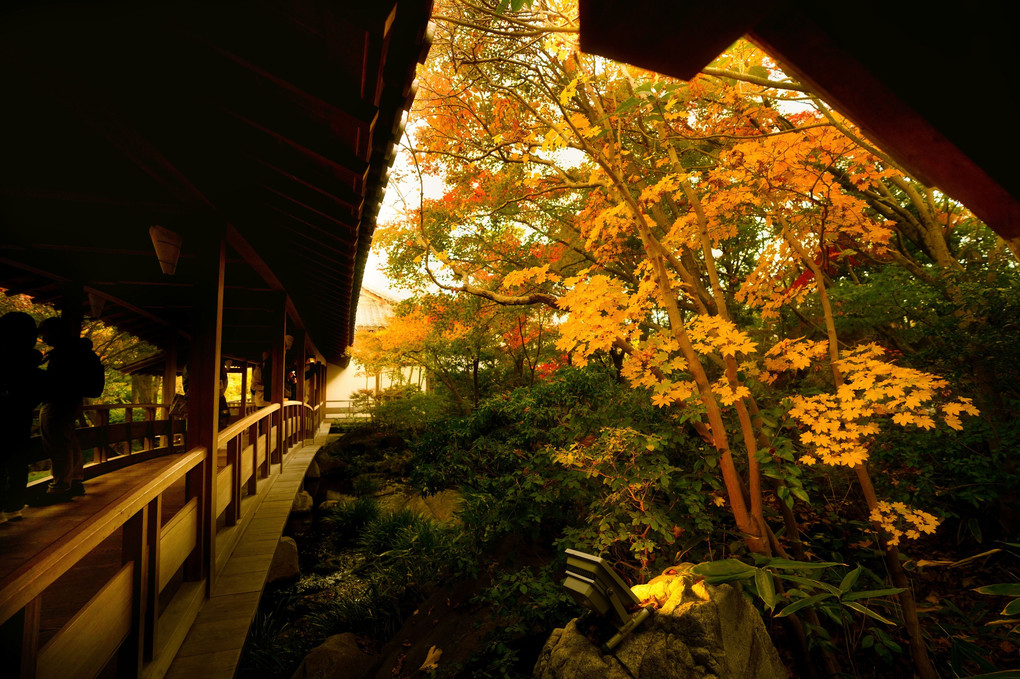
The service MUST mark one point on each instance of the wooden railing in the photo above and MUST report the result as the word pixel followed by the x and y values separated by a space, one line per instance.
pixel 116 439
pixel 346 409
pixel 138 619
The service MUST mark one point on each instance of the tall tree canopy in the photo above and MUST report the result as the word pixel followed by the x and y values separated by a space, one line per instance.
pixel 708 230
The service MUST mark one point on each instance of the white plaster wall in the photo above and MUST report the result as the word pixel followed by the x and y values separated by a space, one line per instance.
pixel 342 382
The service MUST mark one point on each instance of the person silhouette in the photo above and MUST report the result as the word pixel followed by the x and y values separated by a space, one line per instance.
pixel 62 406
pixel 20 393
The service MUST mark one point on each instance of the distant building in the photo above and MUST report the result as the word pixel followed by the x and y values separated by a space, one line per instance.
pixel 374 312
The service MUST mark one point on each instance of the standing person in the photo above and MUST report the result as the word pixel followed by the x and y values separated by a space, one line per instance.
pixel 70 376
pixel 20 393
pixel 258 387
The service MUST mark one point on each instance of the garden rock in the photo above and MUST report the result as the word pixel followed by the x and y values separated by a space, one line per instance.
pixel 303 503
pixel 327 505
pixel 285 562
pixel 698 631
pixel 329 465
pixel 313 471
pixel 338 656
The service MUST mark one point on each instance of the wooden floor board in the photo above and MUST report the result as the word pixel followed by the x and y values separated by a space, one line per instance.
pixel 219 665
pixel 22 541
pixel 248 564
pixel 213 647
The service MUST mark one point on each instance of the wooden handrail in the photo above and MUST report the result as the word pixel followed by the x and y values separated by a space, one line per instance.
pixel 237 427
pixel 186 549
pixel 113 406
pixel 34 576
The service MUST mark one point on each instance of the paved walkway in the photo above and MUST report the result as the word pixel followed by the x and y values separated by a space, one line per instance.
pixel 212 649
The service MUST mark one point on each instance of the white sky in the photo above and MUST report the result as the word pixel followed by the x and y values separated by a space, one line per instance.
pixel 403 186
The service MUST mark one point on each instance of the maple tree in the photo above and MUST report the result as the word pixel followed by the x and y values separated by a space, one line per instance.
pixel 680 224
pixel 461 343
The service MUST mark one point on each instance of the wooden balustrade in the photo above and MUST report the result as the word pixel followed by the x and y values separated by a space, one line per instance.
pixel 141 615
pixel 119 439
pixel 345 409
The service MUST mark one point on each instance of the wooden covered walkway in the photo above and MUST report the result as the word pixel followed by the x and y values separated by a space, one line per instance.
pixel 111 583
pixel 221 168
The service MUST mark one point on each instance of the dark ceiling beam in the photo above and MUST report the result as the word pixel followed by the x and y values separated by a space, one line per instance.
pixel 35 196
pixel 676 37
pixel 113 299
pixel 306 234
pixel 295 185
pixel 241 245
pixel 342 231
pixel 323 150
pixel 910 132
pixel 298 83
pixel 86 105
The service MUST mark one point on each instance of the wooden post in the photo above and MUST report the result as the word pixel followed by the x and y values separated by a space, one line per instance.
pixel 19 641
pixel 32 617
pixel 299 361
pixel 234 461
pixel 149 436
pixel 103 449
pixel 129 420
pixel 209 247
pixel 253 439
pixel 72 303
pixel 135 550
pixel 323 376
pixel 170 385
pixel 279 373
pixel 151 613
pixel 194 483
pixel 244 390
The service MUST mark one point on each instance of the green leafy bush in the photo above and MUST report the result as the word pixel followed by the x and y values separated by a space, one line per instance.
pixel 406 410
pixel 349 518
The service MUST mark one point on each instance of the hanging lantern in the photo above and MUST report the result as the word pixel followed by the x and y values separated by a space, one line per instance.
pixel 96 304
pixel 168 248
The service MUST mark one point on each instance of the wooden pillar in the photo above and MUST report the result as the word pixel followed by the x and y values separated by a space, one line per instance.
pixel 299 359
pixel 169 389
pixel 19 641
pixel 72 303
pixel 320 397
pixel 209 248
pixel 279 373
pixel 299 363
pixel 244 390
pixel 135 550
pixel 151 613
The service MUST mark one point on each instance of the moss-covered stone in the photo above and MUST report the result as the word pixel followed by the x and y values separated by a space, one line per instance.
pixel 697 632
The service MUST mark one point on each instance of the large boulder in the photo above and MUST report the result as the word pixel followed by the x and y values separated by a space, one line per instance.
pixel 303 503
pixel 313 471
pixel 697 631
pixel 330 465
pixel 338 656
pixel 285 562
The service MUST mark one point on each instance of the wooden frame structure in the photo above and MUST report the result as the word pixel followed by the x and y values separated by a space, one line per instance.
pixel 902 73
pixel 257 136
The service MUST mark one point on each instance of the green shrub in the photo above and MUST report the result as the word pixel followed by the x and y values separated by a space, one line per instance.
pixel 269 651
pixel 406 410
pixel 349 518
